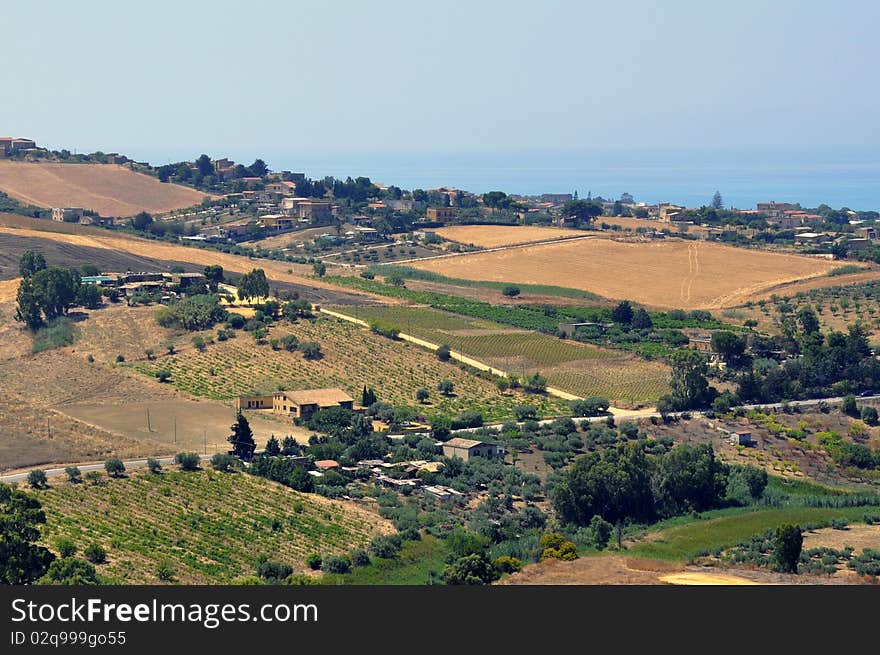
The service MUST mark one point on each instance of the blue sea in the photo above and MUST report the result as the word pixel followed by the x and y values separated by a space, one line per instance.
pixel 839 177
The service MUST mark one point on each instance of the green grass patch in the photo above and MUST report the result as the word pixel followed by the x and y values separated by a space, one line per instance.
pixel 413 566
pixel 57 334
pixel 845 270
pixel 683 542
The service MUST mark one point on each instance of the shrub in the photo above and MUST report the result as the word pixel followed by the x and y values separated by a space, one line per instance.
pixel 120 359
pixel 467 420
pixel 556 546
pixel 508 564
pixel 95 553
pixel 386 546
pixel 199 312
pixel 162 375
pixel 154 465
pixel 223 462
pixel 444 354
pixel 525 412
pixel 57 334
pixel 73 474
pixel 65 547
pixel 869 415
pixel 600 530
pixel 164 572
pixel 235 321
pixel 336 564
pixel 114 467
pixel 188 461
pixel 290 342
pixel 313 561
pixel 593 406
pixel 360 557
pixel 199 343
pixel 273 572
pixel 445 387
pixel 422 395
pixel 510 291
pixel 311 350
pixel 94 477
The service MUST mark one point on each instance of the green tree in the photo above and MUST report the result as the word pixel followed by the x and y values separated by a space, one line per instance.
pixel 114 467
pixel 273 448
pixel 473 569
pixel 601 532
pixel 242 438
pixel 204 165
pixel 787 547
pixel 320 269
pixel 153 465
pixel 582 211
pixel 253 285
pixel 70 571
pixel 258 168
pixel 641 320
pixel 849 406
pixel 74 475
pixel 510 291
pixel 593 406
pixel 689 478
pixel 622 313
pixel 89 296
pixel 689 385
pixel 214 276
pixel 445 387
pixel 95 553
pixel 310 350
pixel 729 345
pixel 444 354
pixel 141 221
pixel 808 320
pixel 65 547
pixel 869 415
pixel 222 462
pixel 422 395
pixel 37 479
pixel 188 461
pixel 28 310
pixel 717 202
pixel 21 560
pixel 30 262
pixel 535 383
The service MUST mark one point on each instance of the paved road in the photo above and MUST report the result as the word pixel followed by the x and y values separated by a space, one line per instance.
pixel 85 468
pixel 141 463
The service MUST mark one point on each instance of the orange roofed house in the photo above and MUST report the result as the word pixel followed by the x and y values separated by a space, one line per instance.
pixel 297 404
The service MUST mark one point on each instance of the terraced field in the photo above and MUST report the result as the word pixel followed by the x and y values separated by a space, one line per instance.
pixel 353 357
pixel 575 367
pixel 206 527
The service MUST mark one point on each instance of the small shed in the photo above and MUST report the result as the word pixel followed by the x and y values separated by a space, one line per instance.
pixel 741 438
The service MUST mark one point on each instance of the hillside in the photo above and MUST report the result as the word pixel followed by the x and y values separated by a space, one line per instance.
pixel 108 189
pixel 206 527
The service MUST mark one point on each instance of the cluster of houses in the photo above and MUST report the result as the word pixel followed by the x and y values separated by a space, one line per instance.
pixel 12 145
pixel 132 283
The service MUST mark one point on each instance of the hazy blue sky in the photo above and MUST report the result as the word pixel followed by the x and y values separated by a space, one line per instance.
pixel 163 79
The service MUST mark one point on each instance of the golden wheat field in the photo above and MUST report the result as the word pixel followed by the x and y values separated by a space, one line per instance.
pixel 668 274
pixel 109 189
pixel 496 236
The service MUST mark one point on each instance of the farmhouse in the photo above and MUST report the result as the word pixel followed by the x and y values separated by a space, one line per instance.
pixel 326 464
pixel 67 214
pixel 741 438
pixel 701 343
pixel 441 214
pixel 297 404
pixel 669 213
pixel 466 448
pixel 308 211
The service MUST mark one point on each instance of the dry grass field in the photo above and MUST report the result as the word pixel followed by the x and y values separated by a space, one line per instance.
pixel 204 527
pixel 494 236
pixel 667 274
pixel 353 357
pixel 109 189
pixel 632 224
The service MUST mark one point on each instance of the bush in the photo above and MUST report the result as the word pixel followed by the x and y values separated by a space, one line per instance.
pixel 556 546
pixel 510 291
pixel 188 461
pixel 199 312
pixel 223 462
pixel 199 343
pixel 73 474
pixel 95 553
pixel 65 547
pixel 94 477
pixel 114 467
pixel 600 530
pixel 336 565
pixel 444 354
pixel 386 546
pixel 37 479
pixel 869 415
pixel 525 412
pixel 467 420
pixel 360 557
pixel 508 564
pixel 57 334
pixel 235 321
pixel 311 350
pixel 120 359
pixel 164 572
pixel 313 561
pixel 162 375
pixel 593 406
pixel 154 465
pixel 273 572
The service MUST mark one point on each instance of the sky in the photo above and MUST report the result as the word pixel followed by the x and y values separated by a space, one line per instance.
pixel 166 80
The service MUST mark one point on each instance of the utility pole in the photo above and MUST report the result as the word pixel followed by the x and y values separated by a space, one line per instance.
pixel 175 429
pixel 205 432
pixel 49 426
pixel 149 429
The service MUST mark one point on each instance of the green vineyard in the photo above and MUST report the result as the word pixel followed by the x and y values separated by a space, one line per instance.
pixel 203 527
